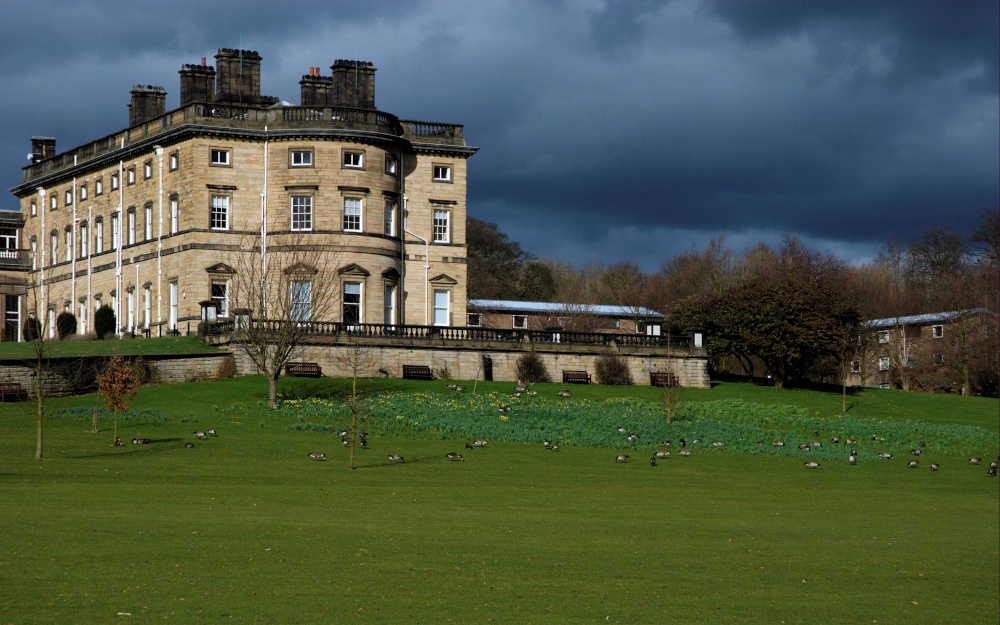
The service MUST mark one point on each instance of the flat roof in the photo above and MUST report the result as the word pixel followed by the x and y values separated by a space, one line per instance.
pixel 911 320
pixel 604 310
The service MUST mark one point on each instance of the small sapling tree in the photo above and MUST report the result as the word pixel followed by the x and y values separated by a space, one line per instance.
pixel 118 384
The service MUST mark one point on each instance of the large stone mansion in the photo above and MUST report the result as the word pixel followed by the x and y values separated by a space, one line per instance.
pixel 142 219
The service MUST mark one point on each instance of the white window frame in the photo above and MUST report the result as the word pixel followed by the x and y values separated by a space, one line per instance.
pixel 147 306
pixel 54 240
pixel 69 197
pixel 353 159
pixel 883 337
pixel 301 211
pixel 391 165
pixel 883 363
pixel 174 162
pixel 116 234
pixel 441 307
pixel 390 219
pixel 354 210
pixel 147 170
pixel 937 331
pixel 148 222
pixel 219 292
pixel 99 236
pixel 175 215
pixel 131 226
pixel 359 305
pixel 474 320
pixel 855 366
pixel 53 202
pixel 99 186
pixel 34 208
pixel 130 175
pixel 442 173
pixel 300 158
pixel 173 317
pixel 69 245
pixel 442 226
pixel 218 215
pixel 219 157
pixel 519 322
pixel 114 181
pixel 389 305
pixel 34 255
pixel 83 192
pixel 84 242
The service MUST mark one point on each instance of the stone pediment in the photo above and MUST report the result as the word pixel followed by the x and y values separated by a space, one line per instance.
pixel 301 269
pixel 353 269
pixel 220 268
pixel 443 278
pixel 390 274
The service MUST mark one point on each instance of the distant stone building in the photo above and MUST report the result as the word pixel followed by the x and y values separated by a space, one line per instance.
pixel 141 219
pixel 517 315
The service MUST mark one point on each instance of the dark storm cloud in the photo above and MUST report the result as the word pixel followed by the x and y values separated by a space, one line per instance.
pixel 609 130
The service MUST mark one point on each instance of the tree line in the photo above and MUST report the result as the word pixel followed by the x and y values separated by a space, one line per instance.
pixel 786 312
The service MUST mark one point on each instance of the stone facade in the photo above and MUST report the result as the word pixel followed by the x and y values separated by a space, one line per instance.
pixel 145 219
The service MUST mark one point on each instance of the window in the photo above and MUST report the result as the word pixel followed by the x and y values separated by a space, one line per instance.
pixel 34 208
pixel 391 165
pixel 174 161
pixel 83 317
pixel 219 217
pixel 354 160
pixel 442 312
pixel 99 186
pixel 474 320
pixel 219 158
pixel 389 318
pixel 130 309
pixel 175 216
pixel 937 358
pixel 172 321
pixel 352 215
pixel 519 322
pixel 147 170
pixel 69 197
pixel 34 254
pixel 937 331
pixel 883 363
pixel 148 223
pixel 98 236
pixel 69 244
pixel 114 181
pixel 220 297
pixel 54 240
pixel 442 173
pixel 352 302
pixel 53 202
pixel 83 192
pixel 83 239
pixel 130 175
pixel 116 233
pixel 855 366
pixel 441 230
pixel 131 226
pixel 147 305
pixel 390 219
pixel 300 158
pixel 883 337
pixel 300 292
pixel 302 207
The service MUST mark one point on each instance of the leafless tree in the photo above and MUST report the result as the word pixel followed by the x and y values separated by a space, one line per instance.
pixel 36 331
pixel 361 360
pixel 278 290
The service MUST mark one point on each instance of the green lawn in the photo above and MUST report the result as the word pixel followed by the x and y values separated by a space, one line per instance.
pixel 128 347
pixel 245 528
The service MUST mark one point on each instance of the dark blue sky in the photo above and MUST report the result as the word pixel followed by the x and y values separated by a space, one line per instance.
pixel 608 130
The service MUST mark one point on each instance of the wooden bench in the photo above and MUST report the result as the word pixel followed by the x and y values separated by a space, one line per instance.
pixel 657 378
pixel 12 391
pixel 417 372
pixel 303 370
pixel 575 377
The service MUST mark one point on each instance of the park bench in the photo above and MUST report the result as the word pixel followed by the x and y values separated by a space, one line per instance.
pixel 303 370
pixel 417 372
pixel 575 377
pixel 12 391
pixel 662 378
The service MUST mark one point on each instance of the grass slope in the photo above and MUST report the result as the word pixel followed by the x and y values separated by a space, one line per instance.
pixel 245 528
pixel 126 347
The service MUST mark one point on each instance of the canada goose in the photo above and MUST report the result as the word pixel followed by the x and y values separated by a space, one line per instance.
pixel 363 434
pixel 564 393
pixel 935 466
pixel 343 433
pixel 504 408
pixel 778 443
pixel 885 455
pixel 804 447
pixel 683 442
pixel 812 464
pixel 451 387
pixel 815 432
pixel 717 444
pixel 364 443
pixel 913 464
pixel 652 461
pixel 684 452
pixel 760 443
pixel 851 441
pixel 835 440
pixel 852 459
pixel 633 438
pixel 516 394
pixel 815 444
pixel 211 432
pixel 555 447
pixel 874 437
pixel 189 444
pixel 317 455
pixel 396 458
pixel 915 452
pixel 459 389
pixel 454 456
pixel 481 442
pixel 666 443
pixel 140 441
pixel 994 464
pixel 520 388
pixel 623 430
pixel 854 452
pixel 663 453
pixel 991 472
pixel 532 393
pixel 200 434
pixel 696 441
pixel 467 445
pixel 547 443
pixel 975 460
pixel 622 458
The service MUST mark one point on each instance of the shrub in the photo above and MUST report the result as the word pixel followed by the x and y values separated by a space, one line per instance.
pixel 66 324
pixel 612 368
pixel 32 329
pixel 227 368
pixel 531 369
pixel 104 321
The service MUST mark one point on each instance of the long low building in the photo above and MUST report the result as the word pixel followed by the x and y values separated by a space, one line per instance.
pixel 148 219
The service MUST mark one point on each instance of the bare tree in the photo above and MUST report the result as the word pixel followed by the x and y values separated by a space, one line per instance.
pixel 279 287
pixel 360 359
pixel 35 331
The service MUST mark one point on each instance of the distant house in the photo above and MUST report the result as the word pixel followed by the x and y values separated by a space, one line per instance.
pixel 508 314
pixel 930 352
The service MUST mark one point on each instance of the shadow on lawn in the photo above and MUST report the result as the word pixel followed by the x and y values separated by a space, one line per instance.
pixel 155 445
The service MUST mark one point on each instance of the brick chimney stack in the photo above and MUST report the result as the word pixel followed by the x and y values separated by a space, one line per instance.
pixel 238 80
pixel 353 84
pixel 148 102
pixel 316 89
pixel 42 148
pixel 197 83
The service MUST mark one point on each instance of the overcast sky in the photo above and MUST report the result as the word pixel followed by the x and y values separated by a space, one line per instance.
pixel 607 130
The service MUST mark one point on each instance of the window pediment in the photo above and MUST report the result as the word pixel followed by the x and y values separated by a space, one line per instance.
pixel 220 268
pixel 443 279
pixel 301 269
pixel 353 269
